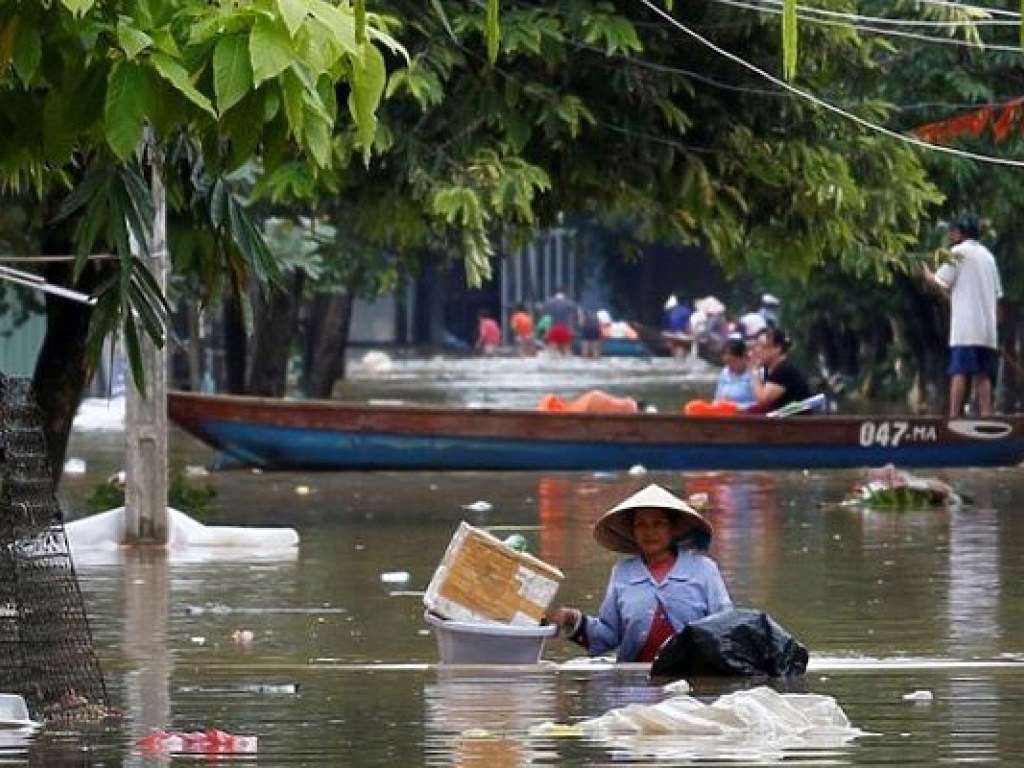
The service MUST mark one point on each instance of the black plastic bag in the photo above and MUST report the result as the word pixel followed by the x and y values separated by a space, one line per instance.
pixel 741 642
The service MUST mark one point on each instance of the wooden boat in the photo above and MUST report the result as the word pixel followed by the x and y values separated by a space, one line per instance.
pixel 334 435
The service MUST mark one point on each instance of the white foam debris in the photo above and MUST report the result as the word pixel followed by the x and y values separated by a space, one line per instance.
pixel 677 688
pixel 97 537
pixel 479 506
pixel 99 414
pixel 376 361
pixel 74 466
pixel 919 696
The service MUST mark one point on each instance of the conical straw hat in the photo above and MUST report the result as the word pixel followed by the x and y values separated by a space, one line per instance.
pixel 614 529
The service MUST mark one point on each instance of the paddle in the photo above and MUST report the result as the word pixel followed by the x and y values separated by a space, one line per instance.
pixel 812 403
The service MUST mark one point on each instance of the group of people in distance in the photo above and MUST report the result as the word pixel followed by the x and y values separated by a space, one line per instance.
pixel 561 321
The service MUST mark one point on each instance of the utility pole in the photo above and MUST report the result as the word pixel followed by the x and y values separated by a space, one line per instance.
pixel 145 497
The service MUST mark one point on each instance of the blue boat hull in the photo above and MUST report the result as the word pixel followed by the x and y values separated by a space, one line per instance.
pixel 328 436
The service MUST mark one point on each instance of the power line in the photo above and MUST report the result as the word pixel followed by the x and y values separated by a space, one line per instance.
pixel 949 41
pixel 812 12
pixel 966 7
pixel 826 105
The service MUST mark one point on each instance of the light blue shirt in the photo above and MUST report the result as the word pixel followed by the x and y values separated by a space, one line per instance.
pixel 692 590
pixel 738 387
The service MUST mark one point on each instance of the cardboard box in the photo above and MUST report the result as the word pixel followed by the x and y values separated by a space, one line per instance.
pixel 482 579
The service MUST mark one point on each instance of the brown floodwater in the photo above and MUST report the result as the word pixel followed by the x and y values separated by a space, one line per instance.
pixel 342 669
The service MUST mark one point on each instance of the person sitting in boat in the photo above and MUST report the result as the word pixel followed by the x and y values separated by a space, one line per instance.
pixel 736 380
pixel 777 381
pixel 667 581
pixel 594 401
pixel 734 391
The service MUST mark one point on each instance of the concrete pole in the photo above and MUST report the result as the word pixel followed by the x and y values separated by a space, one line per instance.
pixel 145 498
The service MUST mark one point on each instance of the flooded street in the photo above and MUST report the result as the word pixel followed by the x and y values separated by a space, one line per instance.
pixel 341 668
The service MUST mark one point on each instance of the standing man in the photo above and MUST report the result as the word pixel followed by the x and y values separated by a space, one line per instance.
pixel 562 312
pixel 970 279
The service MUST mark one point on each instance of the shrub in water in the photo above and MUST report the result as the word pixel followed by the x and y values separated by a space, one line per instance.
pixel 180 495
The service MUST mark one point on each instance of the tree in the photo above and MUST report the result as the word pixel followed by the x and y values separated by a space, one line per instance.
pixel 950 82
pixel 83 83
pixel 622 116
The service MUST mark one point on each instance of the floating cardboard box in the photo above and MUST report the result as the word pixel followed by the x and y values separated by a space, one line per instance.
pixel 482 579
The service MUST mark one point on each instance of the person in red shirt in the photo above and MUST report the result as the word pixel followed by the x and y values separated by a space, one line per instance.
pixel 488 333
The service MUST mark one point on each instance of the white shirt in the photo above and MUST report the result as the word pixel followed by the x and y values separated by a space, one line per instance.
pixel 972 279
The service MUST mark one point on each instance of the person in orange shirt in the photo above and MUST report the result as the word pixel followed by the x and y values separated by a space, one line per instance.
pixel 522 329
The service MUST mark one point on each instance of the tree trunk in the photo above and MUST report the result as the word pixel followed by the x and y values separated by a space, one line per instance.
pixel 326 363
pixel 194 349
pixel 927 327
pixel 1012 370
pixel 275 323
pixel 235 342
pixel 62 371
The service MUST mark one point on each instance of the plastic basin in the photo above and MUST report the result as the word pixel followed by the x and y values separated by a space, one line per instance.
pixel 463 642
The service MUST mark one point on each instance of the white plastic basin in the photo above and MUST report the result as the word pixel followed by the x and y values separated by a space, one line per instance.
pixel 463 642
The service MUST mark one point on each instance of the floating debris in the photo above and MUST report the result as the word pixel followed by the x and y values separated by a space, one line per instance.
pixel 223 610
pixel 919 696
pixel 74 466
pixel 677 687
pixel 243 636
pixel 889 488
pixel 210 741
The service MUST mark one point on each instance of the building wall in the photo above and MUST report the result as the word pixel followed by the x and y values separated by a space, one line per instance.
pixel 19 346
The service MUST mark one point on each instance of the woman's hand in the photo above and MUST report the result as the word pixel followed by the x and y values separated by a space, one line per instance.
pixel 567 619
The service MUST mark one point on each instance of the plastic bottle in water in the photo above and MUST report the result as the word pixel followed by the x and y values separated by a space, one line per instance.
pixel 517 542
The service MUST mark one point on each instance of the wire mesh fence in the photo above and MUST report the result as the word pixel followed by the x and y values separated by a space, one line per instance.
pixel 46 648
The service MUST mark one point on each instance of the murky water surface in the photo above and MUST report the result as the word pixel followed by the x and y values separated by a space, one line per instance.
pixel 342 670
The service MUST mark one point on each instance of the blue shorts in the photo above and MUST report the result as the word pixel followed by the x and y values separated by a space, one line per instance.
pixel 972 361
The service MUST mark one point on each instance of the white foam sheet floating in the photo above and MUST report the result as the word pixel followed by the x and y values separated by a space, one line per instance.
pixel 104 532
pixel 758 724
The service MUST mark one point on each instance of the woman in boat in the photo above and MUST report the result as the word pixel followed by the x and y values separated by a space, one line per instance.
pixel 777 382
pixel 736 381
pixel 667 582
pixel 734 391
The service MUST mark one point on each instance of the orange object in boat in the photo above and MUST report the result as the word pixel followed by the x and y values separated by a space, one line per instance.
pixel 711 408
